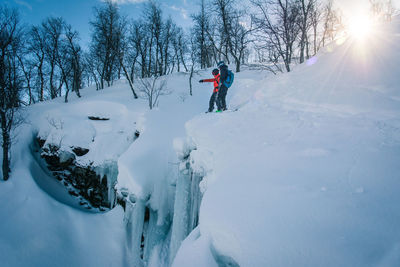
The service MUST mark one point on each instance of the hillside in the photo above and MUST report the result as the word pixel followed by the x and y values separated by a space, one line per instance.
pixel 305 173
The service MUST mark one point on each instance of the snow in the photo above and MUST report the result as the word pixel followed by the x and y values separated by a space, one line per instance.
pixel 41 224
pixel 61 130
pixel 305 173
pixel 195 252
pixel 37 230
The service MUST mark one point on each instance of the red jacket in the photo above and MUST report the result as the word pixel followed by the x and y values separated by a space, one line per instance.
pixel 215 80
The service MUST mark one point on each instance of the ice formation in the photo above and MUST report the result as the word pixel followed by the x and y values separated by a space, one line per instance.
pixel 154 236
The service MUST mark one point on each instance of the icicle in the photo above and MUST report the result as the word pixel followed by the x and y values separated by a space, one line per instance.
pixel 181 213
pixel 195 201
pixel 156 234
pixel 110 170
pixel 134 230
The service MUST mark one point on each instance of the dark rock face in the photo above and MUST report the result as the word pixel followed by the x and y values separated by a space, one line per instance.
pixel 79 151
pixel 95 118
pixel 137 134
pixel 92 189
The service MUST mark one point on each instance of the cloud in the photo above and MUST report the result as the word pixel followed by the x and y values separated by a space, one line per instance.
pixel 23 3
pixel 181 10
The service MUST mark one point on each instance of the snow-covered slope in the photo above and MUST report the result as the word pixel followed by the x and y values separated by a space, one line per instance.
pixel 307 173
pixel 36 228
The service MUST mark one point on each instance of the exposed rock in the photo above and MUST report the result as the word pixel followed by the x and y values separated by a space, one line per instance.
pixel 81 181
pixel 79 151
pixel 137 133
pixel 66 158
pixel 73 193
pixel 95 118
pixel 121 201
pixel 40 141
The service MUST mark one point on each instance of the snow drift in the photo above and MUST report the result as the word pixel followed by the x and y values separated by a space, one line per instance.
pixel 307 172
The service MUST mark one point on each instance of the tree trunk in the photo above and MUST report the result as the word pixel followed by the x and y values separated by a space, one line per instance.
pixel 66 96
pixel 190 80
pixel 41 96
pixel 6 147
pixel 237 65
pixel 302 46
pixel 183 62
pixel 66 86
pixel 129 79
pixel 53 91
pixel 315 41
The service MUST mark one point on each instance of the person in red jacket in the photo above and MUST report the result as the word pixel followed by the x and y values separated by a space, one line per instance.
pixel 213 97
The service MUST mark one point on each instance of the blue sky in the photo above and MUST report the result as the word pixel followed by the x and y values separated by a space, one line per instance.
pixel 78 13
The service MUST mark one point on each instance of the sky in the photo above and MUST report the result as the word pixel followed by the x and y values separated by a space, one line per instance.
pixel 350 7
pixel 78 13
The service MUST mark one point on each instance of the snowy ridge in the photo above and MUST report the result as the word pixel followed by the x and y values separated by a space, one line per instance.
pixel 306 173
pixel 79 131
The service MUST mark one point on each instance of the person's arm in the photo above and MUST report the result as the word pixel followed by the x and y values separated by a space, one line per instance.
pixel 207 80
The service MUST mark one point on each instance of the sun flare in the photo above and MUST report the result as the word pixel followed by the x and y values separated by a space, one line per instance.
pixel 360 26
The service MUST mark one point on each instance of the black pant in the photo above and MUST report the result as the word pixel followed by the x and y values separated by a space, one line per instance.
pixel 213 98
pixel 221 103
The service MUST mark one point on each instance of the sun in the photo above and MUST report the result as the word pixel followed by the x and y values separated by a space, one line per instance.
pixel 360 26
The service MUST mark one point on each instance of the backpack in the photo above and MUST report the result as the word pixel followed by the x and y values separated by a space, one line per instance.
pixel 229 79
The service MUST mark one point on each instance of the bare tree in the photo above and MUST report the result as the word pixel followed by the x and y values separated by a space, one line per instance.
pixel 53 29
pixel 156 45
pixel 127 59
pixel 93 69
pixel 277 28
pixel 151 89
pixel 332 24
pixel 239 39
pixel 64 61
pixel 127 52
pixel 180 49
pixel 166 38
pixel 234 35
pixel 140 45
pixel 382 9
pixel 74 50
pixel 36 46
pixel 106 40
pixel 183 47
pixel 154 25
pixel 10 82
pixel 315 17
pixel 194 59
pixel 27 68
pixel 199 31
pixel 307 8
pixel 216 35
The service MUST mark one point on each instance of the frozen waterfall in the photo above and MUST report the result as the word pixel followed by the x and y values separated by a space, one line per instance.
pixel 152 241
pixel 186 208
